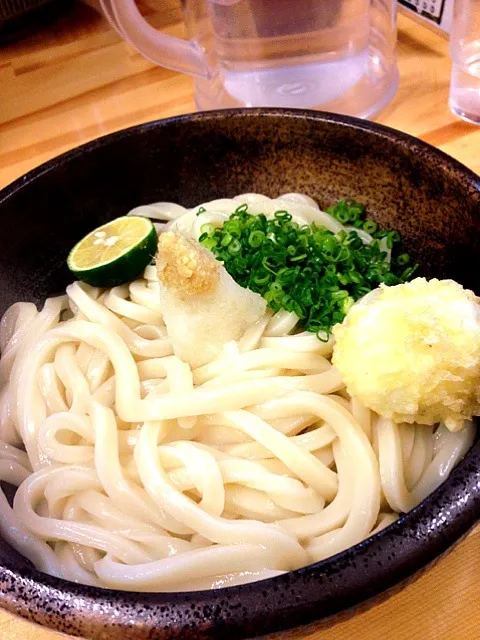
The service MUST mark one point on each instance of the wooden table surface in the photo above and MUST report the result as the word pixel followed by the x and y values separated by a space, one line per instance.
pixel 74 80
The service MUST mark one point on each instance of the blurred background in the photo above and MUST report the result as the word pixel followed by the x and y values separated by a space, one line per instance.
pixel 66 77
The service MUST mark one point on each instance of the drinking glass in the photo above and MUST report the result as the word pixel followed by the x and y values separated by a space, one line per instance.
pixel 465 54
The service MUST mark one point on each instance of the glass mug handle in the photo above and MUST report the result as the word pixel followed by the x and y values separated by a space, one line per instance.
pixel 164 50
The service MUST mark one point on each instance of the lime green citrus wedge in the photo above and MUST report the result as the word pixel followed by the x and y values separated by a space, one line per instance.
pixel 115 253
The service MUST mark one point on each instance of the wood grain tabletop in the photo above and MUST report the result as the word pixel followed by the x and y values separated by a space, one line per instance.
pixel 74 80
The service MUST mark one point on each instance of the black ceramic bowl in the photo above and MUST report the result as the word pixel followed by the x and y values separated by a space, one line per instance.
pixel 431 199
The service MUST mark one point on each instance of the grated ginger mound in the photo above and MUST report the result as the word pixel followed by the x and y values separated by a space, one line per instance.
pixel 202 305
pixel 412 352
pixel 184 266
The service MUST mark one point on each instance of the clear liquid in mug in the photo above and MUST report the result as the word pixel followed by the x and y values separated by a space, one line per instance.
pixel 290 53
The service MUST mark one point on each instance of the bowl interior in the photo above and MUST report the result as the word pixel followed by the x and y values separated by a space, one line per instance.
pixel 431 200
pixel 206 157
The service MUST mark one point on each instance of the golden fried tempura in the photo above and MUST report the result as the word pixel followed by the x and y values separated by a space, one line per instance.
pixel 412 352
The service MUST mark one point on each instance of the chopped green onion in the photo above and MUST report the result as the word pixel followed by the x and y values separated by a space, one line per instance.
pixel 343 216
pixel 329 244
pixel 261 279
pixel 396 237
pixel 297 258
pixel 323 336
pixel 256 238
pixel 207 228
pixel 307 269
pixel 409 271
pixel 283 215
pixel 347 304
pixel 369 226
pixel 347 211
pixel 208 243
pixel 234 247
pixel 226 240
pixel 233 227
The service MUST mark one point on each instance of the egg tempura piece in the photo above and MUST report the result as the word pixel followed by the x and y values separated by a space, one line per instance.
pixel 203 307
pixel 412 352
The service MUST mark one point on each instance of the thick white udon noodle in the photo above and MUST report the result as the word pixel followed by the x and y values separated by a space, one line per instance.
pixel 135 472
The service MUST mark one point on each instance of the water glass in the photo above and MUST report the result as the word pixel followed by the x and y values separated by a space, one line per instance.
pixel 465 54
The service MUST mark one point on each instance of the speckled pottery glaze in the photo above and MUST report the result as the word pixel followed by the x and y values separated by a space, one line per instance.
pixel 431 199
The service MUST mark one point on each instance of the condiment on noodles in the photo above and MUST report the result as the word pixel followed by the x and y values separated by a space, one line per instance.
pixel 412 352
pixel 317 270
pixel 202 305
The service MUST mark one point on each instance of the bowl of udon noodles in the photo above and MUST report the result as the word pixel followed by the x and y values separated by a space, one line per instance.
pixel 147 495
